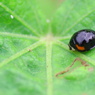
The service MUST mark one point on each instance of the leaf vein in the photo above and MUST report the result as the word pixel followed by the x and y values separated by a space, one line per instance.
pixel 18 35
pixel 84 57
pixel 20 53
pixel 19 19
pixel 49 69
pixel 78 21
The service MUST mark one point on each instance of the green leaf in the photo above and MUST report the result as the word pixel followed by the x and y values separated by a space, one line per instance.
pixel 34 37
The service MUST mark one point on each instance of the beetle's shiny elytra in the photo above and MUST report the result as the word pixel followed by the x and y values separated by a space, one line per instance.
pixel 82 40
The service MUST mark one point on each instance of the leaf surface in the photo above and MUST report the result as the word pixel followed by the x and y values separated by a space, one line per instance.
pixel 34 47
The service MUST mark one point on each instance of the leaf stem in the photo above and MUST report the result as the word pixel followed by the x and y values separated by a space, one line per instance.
pixel 18 54
pixel 49 68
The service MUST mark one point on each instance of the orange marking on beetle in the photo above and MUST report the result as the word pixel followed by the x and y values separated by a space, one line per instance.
pixel 80 47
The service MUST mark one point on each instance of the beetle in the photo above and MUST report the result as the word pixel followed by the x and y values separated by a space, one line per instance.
pixel 82 40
